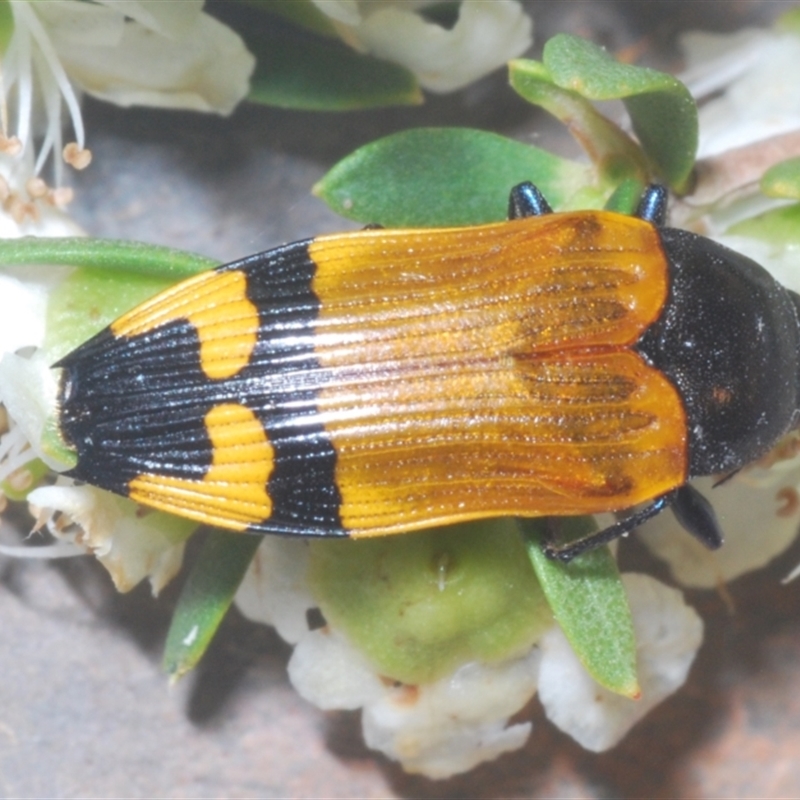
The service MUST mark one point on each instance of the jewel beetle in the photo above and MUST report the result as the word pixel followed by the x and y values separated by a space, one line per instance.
pixel 383 381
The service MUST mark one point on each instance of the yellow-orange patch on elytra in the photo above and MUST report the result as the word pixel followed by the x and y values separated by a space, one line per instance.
pixel 216 304
pixel 233 493
pixel 487 371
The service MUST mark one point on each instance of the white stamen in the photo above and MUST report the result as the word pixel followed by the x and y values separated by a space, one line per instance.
pixel 57 71
pixel 25 78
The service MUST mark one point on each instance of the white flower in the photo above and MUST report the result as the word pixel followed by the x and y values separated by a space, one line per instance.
pixel 149 52
pixel 449 726
pixel 438 729
pixel 487 34
pixel 130 545
pixel 330 673
pixel 452 725
pixel 758 71
pixel 23 305
pixel 128 52
pixel 275 591
pixel 668 635
pixel 145 52
pixel 28 392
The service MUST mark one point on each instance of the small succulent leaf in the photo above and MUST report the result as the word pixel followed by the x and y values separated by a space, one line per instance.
pixel 302 71
pixel 589 603
pixel 779 227
pixel 782 180
pixel 430 177
pixel 616 156
pixel 205 598
pixel 662 110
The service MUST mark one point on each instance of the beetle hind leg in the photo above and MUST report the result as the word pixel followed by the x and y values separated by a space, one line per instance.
pixel 694 513
pixel 569 551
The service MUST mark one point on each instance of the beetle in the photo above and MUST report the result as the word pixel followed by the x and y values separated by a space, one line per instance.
pixel 384 381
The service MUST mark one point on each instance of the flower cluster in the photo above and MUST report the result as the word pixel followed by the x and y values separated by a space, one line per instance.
pixel 145 53
pixel 449 725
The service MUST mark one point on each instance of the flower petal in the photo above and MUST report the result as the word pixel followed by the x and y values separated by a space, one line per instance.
pixel 762 97
pixel 275 589
pixel 330 673
pixel 131 547
pixel 450 726
pixel 168 19
pixel 81 23
pixel 345 11
pixel 23 305
pixel 486 36
pixel 207 69
pixel 668 634
pixel 28 390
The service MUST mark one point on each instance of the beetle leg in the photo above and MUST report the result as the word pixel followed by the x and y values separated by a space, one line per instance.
pixel 567 552
pixel 653 205
pixel 525 200
pixel 696 515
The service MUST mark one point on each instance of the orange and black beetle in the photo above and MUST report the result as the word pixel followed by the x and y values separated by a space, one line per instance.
pixel 383 381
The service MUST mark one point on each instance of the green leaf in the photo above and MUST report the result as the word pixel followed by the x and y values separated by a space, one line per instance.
pixel 590 604
pixel 108 254
pixel 625 198
pixel 782 179
pixel 88 300
pixel 6 25
pixel 661 108
pixel 113 277
pixel 789 21
pixel 615 155
pixel 447 176
pixel 206 597
pixel 779 227
pixel 297 70
pixel 17 490
pixel 422 604
pixel 662 111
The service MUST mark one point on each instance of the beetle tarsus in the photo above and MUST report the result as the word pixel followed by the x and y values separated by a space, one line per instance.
pixel 567 552
pixel 525 200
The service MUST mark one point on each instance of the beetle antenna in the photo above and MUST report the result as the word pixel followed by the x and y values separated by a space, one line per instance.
pixel 525 200
pixel 653 205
